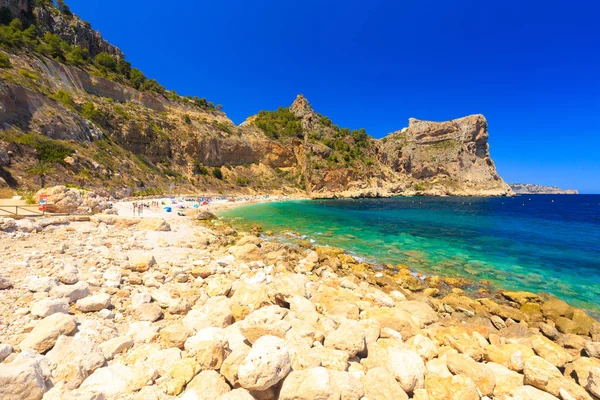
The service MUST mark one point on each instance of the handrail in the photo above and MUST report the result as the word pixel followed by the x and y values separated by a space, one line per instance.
pixel 28 210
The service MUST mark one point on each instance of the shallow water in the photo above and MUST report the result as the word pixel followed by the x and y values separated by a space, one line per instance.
pixel 539 243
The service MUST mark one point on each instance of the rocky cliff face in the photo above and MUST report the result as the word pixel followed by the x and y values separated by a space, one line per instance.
pixel 445 157
pixel 528 188
pixel 115 135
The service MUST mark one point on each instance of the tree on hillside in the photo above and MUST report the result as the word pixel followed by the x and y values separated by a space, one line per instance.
pixel 64 8
pixel 41 169
pixel 106 62
pixel 124 67
pixel 137 78
pixel 4 61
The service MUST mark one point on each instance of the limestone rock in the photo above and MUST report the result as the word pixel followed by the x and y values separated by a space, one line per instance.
pixel 22 379
pixel 113 381
pixel 141 262
pixel 4 283
pixel 349 384
pixel 556 308
pixel 209 354
pixel 75 360
pixel 550 351
pixel 93 303
pixel 175 336
pixel 7 225
pixel 509 355
pixel 464 341
pixel 460 364
pixel 381 385
pixel 395 319
pixel 5 351
pixel 506 379
pixel 309 384
pixel 529 393
pixel 592 349
pixel 46 307
pixel 40 284
pixel 593 385
pixel 522 297
pixel 349 337
pixel 456 387
pixel 181 373
pixel 207 385
pixel 231 365
pixel 115 346
pixel 72 293
pixel 267 363
pixel 149 312
pixel 237 394
pixel 538 372
pixel 47 331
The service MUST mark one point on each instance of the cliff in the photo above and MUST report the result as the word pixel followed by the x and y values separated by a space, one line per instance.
pixel 81 111
pixel 449 158
pixel 528 188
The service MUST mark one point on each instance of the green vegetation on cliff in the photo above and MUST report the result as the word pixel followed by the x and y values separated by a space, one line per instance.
pixel 280 123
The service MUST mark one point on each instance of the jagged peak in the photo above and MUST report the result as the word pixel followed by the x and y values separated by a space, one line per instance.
pixel 301 107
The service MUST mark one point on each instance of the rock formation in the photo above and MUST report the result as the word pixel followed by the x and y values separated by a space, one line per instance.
pixel 528 188
pixel 446 157
pixel 113 134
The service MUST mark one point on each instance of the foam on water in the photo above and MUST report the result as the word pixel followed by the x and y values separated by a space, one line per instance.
pixel 539 243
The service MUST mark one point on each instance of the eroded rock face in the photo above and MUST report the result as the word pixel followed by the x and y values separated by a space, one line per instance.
pixel 445 157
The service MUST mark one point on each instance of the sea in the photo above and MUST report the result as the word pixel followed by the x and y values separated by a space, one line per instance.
pixel 538 243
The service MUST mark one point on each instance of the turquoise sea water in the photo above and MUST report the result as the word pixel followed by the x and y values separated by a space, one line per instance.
pixel 539 243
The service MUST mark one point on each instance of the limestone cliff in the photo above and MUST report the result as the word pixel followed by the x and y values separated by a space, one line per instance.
pixel 97 127
pixel 528 188
pixel 445 157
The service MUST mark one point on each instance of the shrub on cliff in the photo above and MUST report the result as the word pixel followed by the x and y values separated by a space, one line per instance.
pixel 137 78
pixel 89 111
pixel 217 173
pixel 65 98
pixel 280 123
pixel 106 62
pixel 4 61
pixel 79 56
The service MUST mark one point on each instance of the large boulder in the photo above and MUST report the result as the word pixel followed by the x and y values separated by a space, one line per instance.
pixel 309 384
pixel 22 379
pixel 381 385
pixel 266 364
pixel 550 351
pixel 74 360
pixel 456 387
pixel 460 364
pixel 113 381
pixel 349 337
pixel 593 385
pixel 74 201
pixel 46 332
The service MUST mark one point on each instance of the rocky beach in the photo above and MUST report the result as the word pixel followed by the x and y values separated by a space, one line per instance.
pixel 111 306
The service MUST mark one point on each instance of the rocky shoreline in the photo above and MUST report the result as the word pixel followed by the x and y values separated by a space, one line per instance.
pixel 113 307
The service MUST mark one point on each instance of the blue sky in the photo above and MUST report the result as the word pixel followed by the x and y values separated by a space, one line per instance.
pixel 531 67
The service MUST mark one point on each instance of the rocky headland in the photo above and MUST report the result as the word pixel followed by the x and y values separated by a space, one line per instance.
pixel 74 111
pixel 117 307
pixel 528 188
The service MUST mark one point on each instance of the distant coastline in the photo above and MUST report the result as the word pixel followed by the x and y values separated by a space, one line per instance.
pixel 528 188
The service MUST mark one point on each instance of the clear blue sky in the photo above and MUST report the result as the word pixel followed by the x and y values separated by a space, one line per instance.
pixel 531 67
